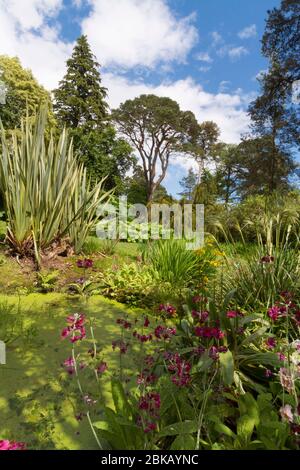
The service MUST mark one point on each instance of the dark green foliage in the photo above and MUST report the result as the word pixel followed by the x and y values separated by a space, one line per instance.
pixel 80 97
pixel 228 172
pixel 80 105
pixel 104 155
pixel 136 189
pixel 264 166
pixel 281 42
pixel 202 145
pixel 188 184
pixel 275 113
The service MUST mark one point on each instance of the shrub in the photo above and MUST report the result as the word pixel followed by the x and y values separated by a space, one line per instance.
pixel 47 195
pixel 181 268
pixel 46 280
pixel 132 284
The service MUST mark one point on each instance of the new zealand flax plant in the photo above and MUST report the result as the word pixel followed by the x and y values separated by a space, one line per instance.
pixel 47 195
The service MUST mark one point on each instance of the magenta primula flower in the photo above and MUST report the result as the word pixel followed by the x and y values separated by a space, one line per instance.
pixel 200 316
pixel 234 314
pixel 11 445
pixel 274 313
pixel 149 361
pixel 150 427
pixel 84 263
pixel 199 298
pixel 281 356
pixel 75 330
pixel 150 403
pixel 142 338
pixel 163 332
pixel 121 345
pixel 181 369
pixel 213 353
pixel 124 323
pixel 271 343
pixel 209 332
pixel 168 309
pixel 146 378
pixel 69 365
pixel 199 351
pixel 78 319
pixel 101 367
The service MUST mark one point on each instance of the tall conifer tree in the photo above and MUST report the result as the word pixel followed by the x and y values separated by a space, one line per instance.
pixel 80 105
pixel 80 97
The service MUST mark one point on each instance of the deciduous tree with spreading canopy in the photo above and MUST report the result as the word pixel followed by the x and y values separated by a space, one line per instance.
pixel 157 129
pixel 23 93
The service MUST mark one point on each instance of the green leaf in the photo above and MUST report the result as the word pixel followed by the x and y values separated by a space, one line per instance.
pixel 184 442
pixel 227 367
pixel 185 427
pixel 249 406
pixel 119 398
pixel 245 427
pixel 102 425
pixel 223 429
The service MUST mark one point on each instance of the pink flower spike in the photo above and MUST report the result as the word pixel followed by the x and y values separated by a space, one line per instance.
pixel 274 313
pixel 11 445
pixel 271 343
pixel 102 367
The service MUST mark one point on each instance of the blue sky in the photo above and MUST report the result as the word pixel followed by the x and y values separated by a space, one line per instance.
pixel 203 53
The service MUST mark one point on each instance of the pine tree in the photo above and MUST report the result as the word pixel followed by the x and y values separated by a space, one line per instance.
pixel 80 106
pixel 275 113
pixel 188 184
pixel 80 97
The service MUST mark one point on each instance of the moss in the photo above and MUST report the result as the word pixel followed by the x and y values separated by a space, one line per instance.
pixel 21 275
pixel 33 404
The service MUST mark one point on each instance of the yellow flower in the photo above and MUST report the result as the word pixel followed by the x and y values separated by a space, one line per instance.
pixel 215 263
pixel 219 253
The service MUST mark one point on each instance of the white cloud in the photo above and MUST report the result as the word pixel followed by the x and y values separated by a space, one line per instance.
pixel 27 35
pixel 30 13
pixel 234 53
pixel 248 32
pixel 237 52
pixel 133 33
pixel 224 85
pixel 204 68
pixel 24 33
pixel 217 38
pixel 204 57
pixel 227 110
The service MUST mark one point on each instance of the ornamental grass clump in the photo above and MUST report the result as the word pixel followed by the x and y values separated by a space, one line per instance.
pixel 47 195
